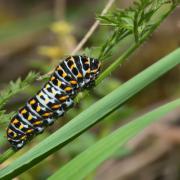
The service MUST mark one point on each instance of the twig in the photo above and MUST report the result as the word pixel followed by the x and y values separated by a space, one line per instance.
pixel 86 37
pixel 93 28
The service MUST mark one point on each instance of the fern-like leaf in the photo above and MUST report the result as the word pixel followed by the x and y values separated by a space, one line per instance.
pixel 15 87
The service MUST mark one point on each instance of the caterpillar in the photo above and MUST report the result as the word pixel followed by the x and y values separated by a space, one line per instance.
pixel 72 75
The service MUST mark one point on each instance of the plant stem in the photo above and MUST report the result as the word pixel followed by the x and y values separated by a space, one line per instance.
pixel 6 155
pixel 93 28
pixel 131 50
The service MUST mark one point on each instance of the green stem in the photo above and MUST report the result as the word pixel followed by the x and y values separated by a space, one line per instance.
pixel 130 51
pixel 111 68
pixel 6 155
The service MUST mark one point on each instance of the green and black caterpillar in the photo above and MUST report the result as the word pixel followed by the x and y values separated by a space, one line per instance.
pixel 71 76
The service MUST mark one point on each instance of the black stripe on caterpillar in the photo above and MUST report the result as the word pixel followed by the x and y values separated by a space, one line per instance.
pixel 71 76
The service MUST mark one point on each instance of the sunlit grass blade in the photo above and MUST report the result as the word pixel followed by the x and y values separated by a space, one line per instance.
pixel 86 162
pixel 90 116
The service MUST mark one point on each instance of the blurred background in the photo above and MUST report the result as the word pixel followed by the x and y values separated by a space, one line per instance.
pixel 34 35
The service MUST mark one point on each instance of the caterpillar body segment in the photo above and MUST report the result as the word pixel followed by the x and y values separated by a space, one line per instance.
pixel 71 76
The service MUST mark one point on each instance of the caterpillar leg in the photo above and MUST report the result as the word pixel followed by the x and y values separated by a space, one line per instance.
pixel 49 121
pixel 16 144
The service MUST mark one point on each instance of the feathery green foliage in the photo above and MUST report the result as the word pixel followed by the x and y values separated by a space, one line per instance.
pixel 136 21
pixel 4 118
pixel 15 87
pixel 12 89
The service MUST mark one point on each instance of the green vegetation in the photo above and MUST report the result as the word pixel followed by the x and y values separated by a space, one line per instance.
pixel 136 23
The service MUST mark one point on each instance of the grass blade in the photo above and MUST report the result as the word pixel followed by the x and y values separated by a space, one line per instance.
pixel 88 161
pixel 90 116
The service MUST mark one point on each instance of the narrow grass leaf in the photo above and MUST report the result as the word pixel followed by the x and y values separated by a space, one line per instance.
pixel 89 117
pixel 86 162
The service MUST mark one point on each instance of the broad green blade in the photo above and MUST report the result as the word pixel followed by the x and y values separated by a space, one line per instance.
pixel 90 116
pixel 86 162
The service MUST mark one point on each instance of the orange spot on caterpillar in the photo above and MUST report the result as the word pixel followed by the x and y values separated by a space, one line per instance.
pixel 23 111
pixel 56 106
pixel 15 121
pixel 32 101
pixel 79 75
pixel 68 89
pixel 52 78
pixel 37 122
pixel 63 98
pixel 23 138
pixel 29 117
pixel 29 131
pixel 73 82
pixel 38 108
pixel 46 114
